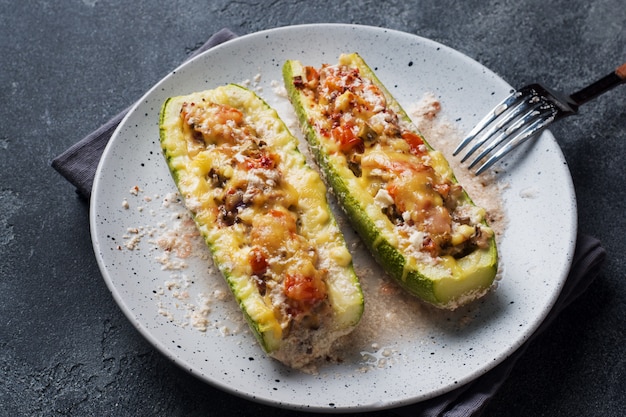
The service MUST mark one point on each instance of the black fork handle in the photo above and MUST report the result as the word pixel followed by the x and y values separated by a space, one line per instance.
pixel 601 86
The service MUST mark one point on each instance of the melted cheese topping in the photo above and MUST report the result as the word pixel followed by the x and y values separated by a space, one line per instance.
pixel 265 217
pixel 405 186
pixel 250 197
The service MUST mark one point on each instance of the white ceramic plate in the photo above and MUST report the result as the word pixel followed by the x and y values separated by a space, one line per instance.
pixel 427 355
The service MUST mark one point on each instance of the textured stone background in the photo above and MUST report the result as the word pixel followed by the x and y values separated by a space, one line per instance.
pixel 68 66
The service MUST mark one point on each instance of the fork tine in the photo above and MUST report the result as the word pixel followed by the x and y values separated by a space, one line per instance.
pixel 531 114
pixel 529 132
pixel 493 114
pixel 501 123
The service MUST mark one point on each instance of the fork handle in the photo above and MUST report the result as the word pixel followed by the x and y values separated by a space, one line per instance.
pixel 601 86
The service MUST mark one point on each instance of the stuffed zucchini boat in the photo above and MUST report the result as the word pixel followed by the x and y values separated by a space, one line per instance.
pixel 264 215
pixel 399 193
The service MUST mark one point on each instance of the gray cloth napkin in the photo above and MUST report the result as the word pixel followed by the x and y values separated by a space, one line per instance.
pixel 78 165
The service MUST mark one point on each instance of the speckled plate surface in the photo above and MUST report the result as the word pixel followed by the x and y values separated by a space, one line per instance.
pixel 180 303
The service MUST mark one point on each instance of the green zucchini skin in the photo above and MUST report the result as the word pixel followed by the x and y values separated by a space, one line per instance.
pixel 476 271
pixel 341 310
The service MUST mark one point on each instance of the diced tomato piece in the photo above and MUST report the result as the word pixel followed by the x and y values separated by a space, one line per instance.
pixel 311 74
pixel 347 140
pixel 415 142
pixel 258 261
pixel 303 288
pixel 262 160
pixel 396 194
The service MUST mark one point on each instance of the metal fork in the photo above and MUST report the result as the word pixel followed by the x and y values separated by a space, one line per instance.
pixel 524 114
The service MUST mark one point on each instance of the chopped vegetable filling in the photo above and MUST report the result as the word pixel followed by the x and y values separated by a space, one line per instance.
pixel 249 193
pixel 392 162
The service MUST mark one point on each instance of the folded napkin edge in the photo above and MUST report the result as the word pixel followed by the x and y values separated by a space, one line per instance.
pixel 78 164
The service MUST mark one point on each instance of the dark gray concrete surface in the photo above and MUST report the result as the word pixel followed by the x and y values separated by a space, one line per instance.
pixel 68 66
